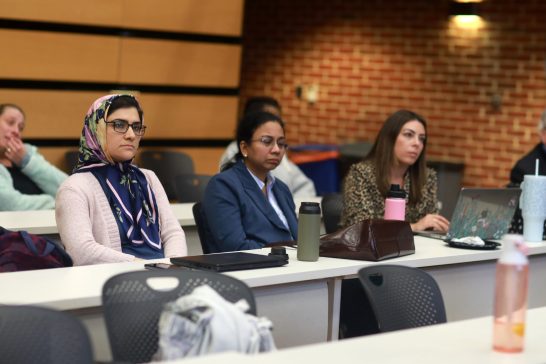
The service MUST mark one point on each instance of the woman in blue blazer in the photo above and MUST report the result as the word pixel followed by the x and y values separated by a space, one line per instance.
pixel 245 206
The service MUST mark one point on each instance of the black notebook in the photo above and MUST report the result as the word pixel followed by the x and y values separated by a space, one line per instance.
pixel 225 262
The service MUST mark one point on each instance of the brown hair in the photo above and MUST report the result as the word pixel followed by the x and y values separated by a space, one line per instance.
pixel 383 158
pixel 3 107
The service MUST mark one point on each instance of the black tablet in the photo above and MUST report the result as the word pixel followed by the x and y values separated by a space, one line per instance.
pixel 225 262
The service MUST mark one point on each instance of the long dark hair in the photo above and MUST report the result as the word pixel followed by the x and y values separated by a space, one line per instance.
pixel 383 157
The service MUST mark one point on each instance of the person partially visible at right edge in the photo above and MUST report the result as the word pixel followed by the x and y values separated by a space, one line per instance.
pixel 397 157
pixel 245 206
pixel 527 164
pixel 109 210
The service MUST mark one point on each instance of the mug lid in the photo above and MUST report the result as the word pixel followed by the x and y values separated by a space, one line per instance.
pixel 309 208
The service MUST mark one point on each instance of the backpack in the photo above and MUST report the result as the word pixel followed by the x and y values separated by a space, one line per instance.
pixel 20 250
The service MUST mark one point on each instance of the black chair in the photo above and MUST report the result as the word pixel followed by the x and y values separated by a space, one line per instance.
pixel 132 307
pixel 203 229
pixel 70 160
pixel 166 165
pixel 41 335
pixel 332 205
pixel 190 187
pixel 402 297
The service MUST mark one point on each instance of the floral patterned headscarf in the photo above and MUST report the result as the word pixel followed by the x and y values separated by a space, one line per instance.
pixel 131 199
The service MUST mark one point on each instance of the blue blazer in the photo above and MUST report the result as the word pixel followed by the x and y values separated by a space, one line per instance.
pixel 239 216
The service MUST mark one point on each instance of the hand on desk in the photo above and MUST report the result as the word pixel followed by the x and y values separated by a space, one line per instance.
pixel 431 222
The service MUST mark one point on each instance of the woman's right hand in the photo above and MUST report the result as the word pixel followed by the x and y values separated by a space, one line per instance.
pixel 431 222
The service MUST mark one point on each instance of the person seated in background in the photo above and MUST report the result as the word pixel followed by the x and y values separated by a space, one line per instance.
pixel 299 184
pixel 109 210
pixel 27 180
pixel 526 165
pixel 397 157
pixel 245 206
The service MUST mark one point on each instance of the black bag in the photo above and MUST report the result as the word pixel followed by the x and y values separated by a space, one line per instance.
pixel 20 251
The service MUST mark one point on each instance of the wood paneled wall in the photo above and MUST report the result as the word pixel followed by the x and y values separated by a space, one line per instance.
pixel 182 57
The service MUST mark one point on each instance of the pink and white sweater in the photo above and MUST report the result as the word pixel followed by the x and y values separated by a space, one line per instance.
pixel 88 227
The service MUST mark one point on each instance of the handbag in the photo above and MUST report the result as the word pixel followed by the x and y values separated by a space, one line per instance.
pixel 20 251
pixel 373 239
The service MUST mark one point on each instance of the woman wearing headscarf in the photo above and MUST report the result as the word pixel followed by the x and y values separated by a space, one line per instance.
pixel 109 210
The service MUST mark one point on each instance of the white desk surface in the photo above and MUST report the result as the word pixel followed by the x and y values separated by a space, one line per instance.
pixel 467 341
pixel 43 221
pixel 81 287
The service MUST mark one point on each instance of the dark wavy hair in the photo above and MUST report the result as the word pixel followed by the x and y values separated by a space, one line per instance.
pixel 124 102
pixel 383 158
pixel 261 103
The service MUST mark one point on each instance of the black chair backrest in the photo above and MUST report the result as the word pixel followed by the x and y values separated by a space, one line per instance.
pixel 203 229
pixel 190 187
pixel 402 297
pixel 332 205
pixel 70 160
pixel 40 335
pixel 166 165
pixel 132 307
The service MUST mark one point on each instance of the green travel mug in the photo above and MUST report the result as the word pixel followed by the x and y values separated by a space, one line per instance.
pixel 308 231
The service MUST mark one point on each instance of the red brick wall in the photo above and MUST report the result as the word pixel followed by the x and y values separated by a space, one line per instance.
pixel 372 57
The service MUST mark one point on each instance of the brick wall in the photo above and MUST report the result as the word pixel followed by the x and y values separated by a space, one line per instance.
pixel 372 57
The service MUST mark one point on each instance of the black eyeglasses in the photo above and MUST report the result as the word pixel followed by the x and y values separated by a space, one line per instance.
pixel 121 126
pixel 268 141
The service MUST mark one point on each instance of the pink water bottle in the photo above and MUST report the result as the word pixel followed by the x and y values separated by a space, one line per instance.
pixel 395 204
pixel 512 278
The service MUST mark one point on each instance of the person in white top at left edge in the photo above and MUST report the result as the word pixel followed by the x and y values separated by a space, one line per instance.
pixel 109 210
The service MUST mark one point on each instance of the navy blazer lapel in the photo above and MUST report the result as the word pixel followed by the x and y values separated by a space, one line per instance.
pixel 257 196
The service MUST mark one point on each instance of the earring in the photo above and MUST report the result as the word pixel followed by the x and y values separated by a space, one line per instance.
pixel 244 155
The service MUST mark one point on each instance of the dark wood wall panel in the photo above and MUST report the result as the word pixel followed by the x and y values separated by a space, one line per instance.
pixel 147 61
pixel 57 56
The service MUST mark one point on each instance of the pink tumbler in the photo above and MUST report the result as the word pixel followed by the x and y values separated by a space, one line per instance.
pixel 395 204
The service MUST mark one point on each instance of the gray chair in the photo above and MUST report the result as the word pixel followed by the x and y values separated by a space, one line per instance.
pixel 332 206
pixel 40 335
pixel 166 165
pixel 190 187
pixel 132 307
pixel 402 297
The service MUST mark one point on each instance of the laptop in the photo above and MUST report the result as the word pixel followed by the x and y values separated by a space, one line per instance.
pixel 483 212
pixel 225 262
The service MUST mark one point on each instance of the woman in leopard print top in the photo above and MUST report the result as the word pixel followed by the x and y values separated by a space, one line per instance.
pixel 397 157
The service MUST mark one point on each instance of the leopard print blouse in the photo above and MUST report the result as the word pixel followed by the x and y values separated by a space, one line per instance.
pixel 362 199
